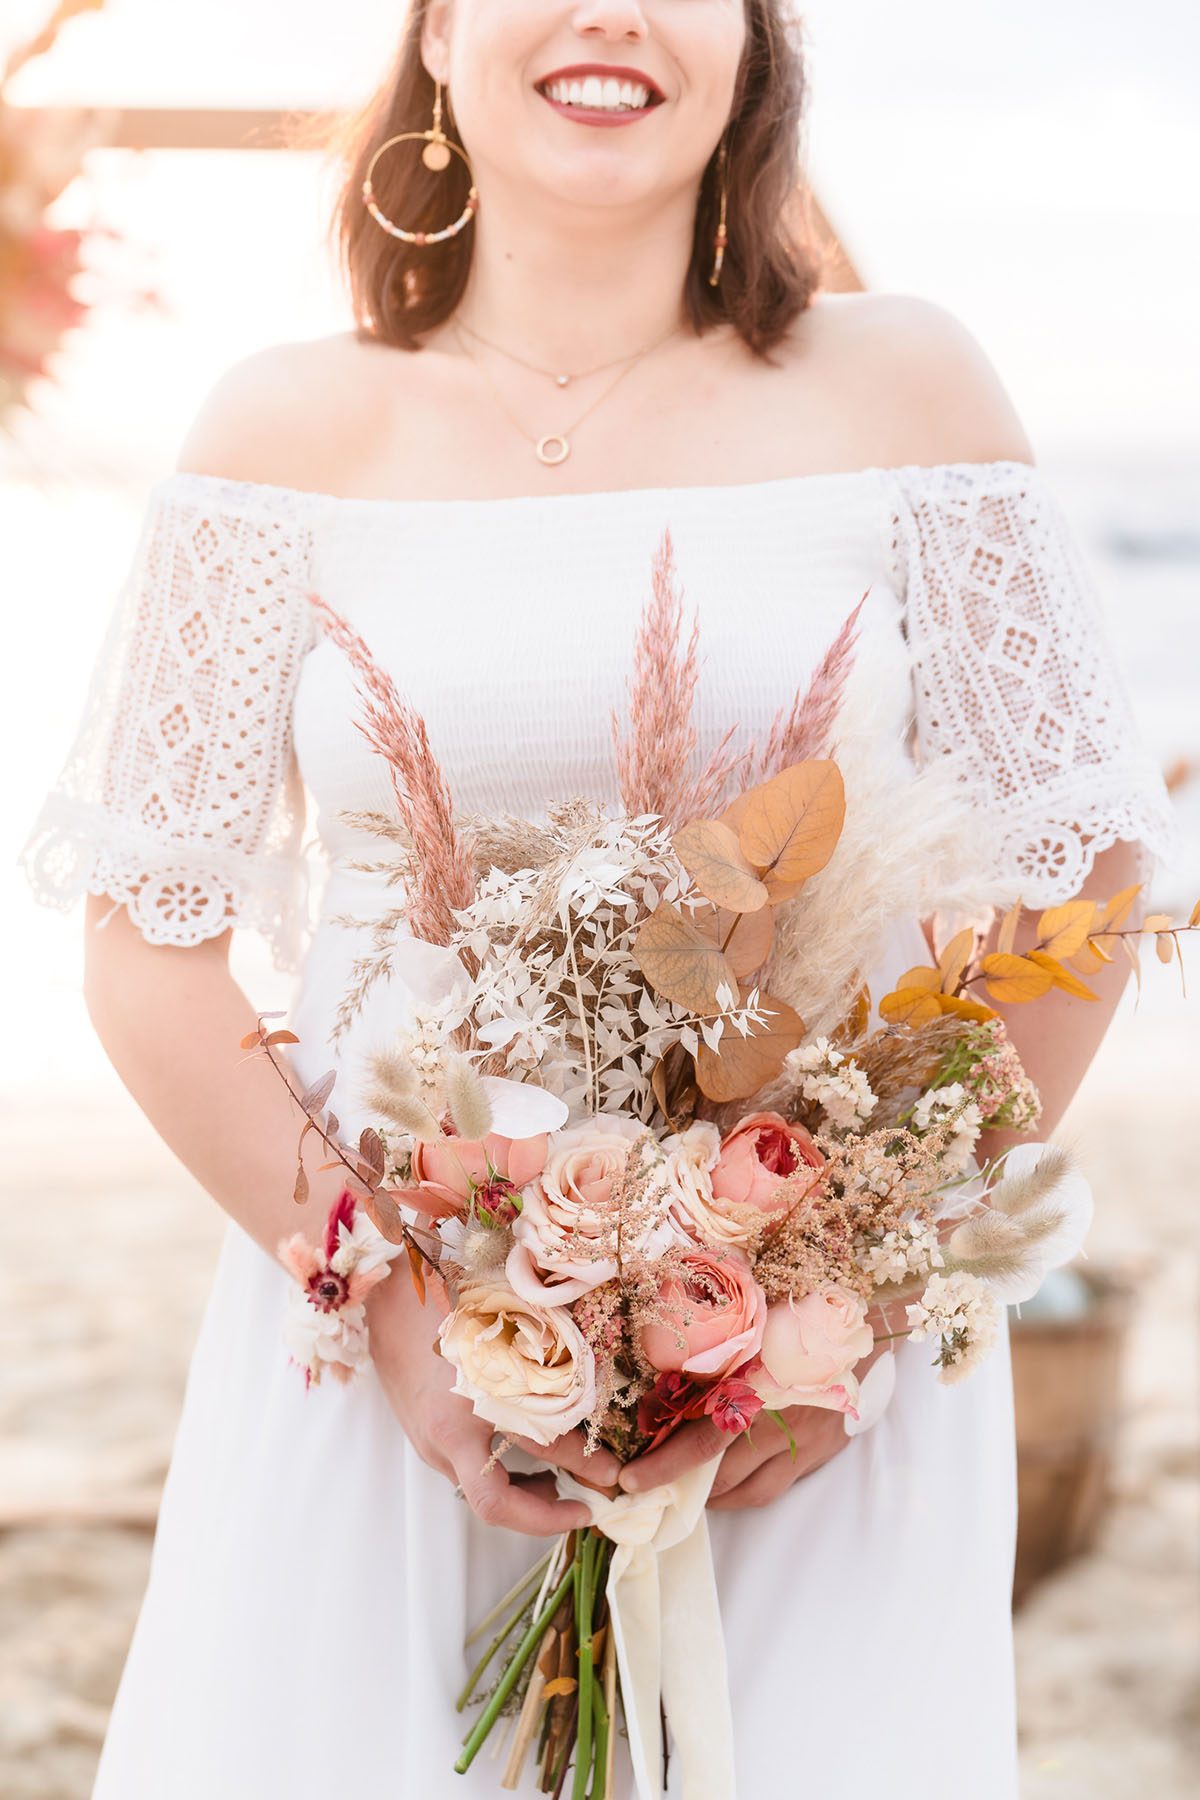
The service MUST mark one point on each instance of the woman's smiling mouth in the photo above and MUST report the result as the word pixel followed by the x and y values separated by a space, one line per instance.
pixel 598 95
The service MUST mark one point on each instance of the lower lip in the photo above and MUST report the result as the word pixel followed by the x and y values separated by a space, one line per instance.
pixel 592 115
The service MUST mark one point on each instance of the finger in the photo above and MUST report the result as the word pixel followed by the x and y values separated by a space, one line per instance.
pixel 499 1501
pixel 696 1442
pixel 570 1452
pixel 747 1453
pixel 760 1487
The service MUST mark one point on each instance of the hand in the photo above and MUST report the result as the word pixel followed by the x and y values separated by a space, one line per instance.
pixel 752 1470
pixel 757 1464
pixel 446 1432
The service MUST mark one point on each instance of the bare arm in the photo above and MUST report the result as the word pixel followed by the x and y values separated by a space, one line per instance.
pixel 1057 1036
pixel 171 1021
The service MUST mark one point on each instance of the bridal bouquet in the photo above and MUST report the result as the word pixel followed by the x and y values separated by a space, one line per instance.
pixel 649 1189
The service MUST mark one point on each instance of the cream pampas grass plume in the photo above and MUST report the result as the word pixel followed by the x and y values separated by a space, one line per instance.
pixel 466 1098
pixel 912 845
pixel 652 759
pixel 443 866
pixel 395 1094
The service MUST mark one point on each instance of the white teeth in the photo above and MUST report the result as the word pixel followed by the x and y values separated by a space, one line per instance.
pixel 605 95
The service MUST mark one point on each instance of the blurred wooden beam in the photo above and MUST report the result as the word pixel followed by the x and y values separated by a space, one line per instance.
pixel 264 128
pixel 197 127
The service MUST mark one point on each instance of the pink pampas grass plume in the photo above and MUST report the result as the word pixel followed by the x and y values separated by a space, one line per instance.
pixel 444 869
pixel 807 730
pixel 652 759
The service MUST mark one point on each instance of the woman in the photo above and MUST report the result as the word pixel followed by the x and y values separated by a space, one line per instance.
pixel 622 330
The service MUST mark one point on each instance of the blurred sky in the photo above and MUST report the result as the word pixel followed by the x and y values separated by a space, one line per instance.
pixel 1030 164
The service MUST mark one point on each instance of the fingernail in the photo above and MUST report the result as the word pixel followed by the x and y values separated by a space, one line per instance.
pixel 630 1482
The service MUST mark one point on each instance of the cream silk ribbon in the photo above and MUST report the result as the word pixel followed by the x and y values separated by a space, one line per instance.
pixel 662 1595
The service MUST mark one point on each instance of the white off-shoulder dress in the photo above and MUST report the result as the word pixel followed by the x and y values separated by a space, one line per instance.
pixel 312 1579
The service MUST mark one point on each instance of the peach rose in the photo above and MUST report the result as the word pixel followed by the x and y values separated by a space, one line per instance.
pixel 527 1369
pixel 713 1316
pixel 762 1150
pixel 565 1222
pixel 809 1349
pixel 449 1171
pixel 721 1188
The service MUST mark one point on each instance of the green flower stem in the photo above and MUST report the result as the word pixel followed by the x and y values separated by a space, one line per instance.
pixel 527 1580
pixel 601 1729
pixel 485 1659
pixel 508 1680
pixel 585 1594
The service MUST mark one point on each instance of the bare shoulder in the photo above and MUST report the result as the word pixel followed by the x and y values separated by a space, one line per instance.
pixel 922 382
pixel 293 414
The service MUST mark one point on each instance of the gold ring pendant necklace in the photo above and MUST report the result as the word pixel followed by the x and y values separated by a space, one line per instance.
pixel 553 447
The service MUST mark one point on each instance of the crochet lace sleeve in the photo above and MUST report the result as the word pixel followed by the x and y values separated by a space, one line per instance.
pixel 180 795
pixel 1015 677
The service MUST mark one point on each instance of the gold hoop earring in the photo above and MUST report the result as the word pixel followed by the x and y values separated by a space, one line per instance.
pixel 436 156
pixel 722 236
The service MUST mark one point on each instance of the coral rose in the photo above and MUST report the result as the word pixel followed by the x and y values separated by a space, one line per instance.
pixel 714 1315
pixel 809 1349
pixel 567 1225
pixel 527 1369
pixel 448 1172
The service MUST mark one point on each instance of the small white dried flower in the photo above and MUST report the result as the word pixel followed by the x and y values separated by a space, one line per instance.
pixel 961 1312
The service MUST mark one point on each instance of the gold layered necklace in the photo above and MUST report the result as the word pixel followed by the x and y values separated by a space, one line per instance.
pixel 554 447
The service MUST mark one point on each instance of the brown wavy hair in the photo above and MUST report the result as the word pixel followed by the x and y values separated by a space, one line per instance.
pixel 774 261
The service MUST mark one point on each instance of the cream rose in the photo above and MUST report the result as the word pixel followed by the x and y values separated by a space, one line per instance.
pixel 565 1223
pixel 809 1350
pixel 525 1368
pixel 713 1316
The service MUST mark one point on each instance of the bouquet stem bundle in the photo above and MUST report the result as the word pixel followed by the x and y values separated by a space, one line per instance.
pixel 568 1712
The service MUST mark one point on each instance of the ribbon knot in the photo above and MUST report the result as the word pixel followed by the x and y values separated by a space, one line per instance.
pixel 666 1621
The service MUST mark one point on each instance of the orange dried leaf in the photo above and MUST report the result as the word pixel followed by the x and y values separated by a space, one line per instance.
pixel 1062 977
pixel 712 856
pixel 1007 935
pixel 680 962
pixel 300 1191
pixel 562 1684
pixel 251 1040
pixel 1015 978
pixel 735 812
pixel 855 1023
pixel 745 937
pixel 1194 919
pixel 1063 929
pixel 910 1006
pixel 792 823
pixel 1090 957
pixel 922 977
pixel 739 1065
pixel 964 1009
pixel 954 959
pixel 281 1037
pixel 1114 912
pixel 416 1265
pixel 1156 922
pixel 1164 944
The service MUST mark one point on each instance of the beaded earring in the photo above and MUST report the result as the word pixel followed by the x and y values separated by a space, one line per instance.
pixel 436 156
pixel 722 236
